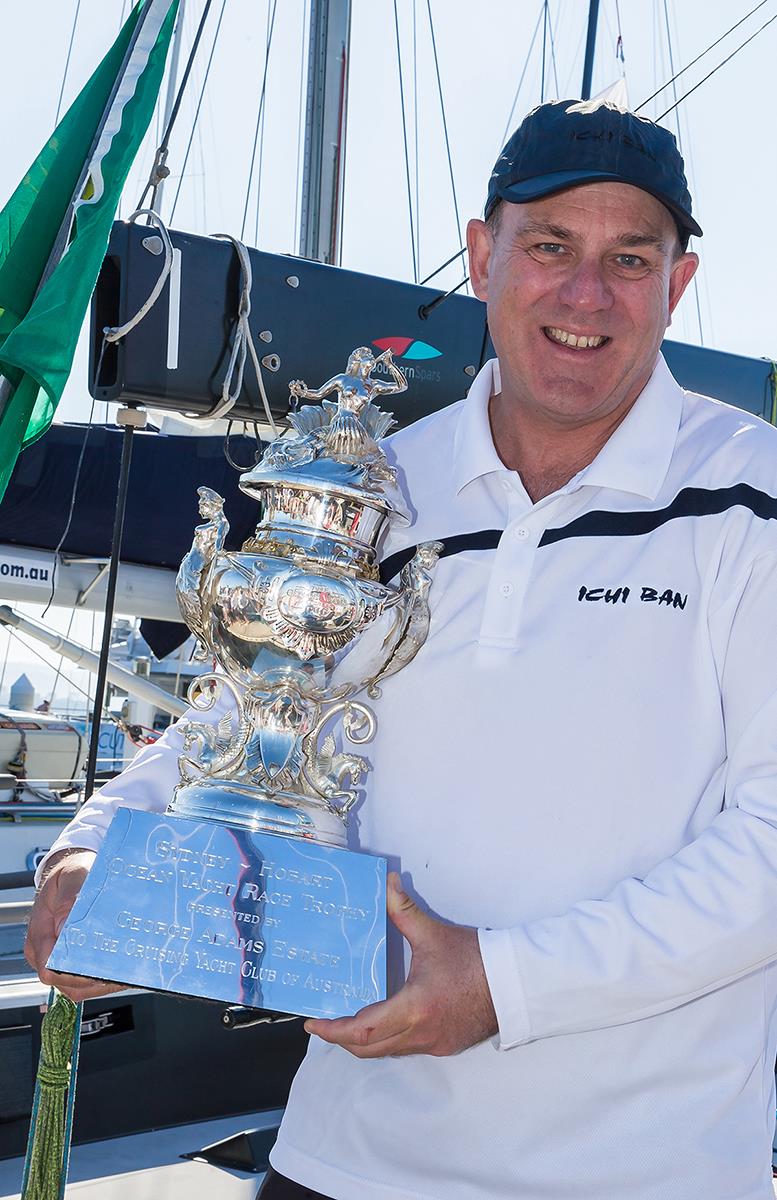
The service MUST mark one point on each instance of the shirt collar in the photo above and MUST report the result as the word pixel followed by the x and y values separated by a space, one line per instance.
pixel 637 456
pixel 474 453
pixel 635 459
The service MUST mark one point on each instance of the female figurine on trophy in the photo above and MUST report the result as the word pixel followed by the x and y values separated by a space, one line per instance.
pixel 345 429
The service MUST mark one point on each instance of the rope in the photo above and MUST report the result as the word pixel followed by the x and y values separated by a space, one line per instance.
pixel 444 120
pixel 236 466
pixel 243 344
pixel 67 61
pixel 197 111
pixel 48 1147
pixel 258 116
pixel 693 61
pixel 404 140
pixel 116 332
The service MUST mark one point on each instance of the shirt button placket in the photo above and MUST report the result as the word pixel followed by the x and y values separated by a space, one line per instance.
pixel 509 578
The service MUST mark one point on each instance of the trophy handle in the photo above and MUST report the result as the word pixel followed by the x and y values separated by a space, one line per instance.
pixel 332 776
pixel 412 625
pixel 213 749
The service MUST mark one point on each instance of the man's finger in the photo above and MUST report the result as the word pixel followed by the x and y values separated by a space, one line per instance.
pixel 373 1024
pixel 405 914
pixel 78 987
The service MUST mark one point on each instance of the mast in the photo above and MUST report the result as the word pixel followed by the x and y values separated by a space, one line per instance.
pixel 325 118
pixel 590 50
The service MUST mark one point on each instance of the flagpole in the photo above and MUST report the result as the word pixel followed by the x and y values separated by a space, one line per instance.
pixel 131 419
pixel 63 234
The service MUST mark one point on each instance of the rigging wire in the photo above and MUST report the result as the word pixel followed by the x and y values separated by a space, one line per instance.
pixel 553 49
pixel 715 69
pixel 199 102
pixel 5 660
pixel 67 61
pixel 74 490
pixel 693 61
pixel 447 263
pixel 15 634
pixel 680 144
pixel 524 69
pixel 261 138
pixel 444 120
pixel 544 41
pixel 619 54
pixel 258 117
pixel 415 132
pixel 425 309
pixel 61 658
pixel 575 60
pixel 160 171
pixel 404 140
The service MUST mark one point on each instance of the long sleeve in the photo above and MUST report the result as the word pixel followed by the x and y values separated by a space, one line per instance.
pixel 697 920
pixel 147 783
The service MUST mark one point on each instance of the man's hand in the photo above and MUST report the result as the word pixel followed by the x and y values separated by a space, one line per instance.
pixel 445 1005
pixel 53 902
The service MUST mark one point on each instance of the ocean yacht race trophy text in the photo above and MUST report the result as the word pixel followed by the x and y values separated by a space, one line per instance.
pixel 243 891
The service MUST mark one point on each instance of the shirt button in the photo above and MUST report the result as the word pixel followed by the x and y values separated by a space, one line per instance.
pixel 506 589
pixel 521 533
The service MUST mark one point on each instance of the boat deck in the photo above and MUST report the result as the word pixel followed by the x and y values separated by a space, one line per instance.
pixel 148 1166
pixel 112 1170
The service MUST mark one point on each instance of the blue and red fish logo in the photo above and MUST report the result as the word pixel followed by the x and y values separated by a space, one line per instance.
pixel 408 348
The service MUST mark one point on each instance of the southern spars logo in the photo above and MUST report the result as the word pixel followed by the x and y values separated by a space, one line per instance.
pixel 411 351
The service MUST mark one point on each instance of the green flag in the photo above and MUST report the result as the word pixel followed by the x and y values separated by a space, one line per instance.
pixel 55 228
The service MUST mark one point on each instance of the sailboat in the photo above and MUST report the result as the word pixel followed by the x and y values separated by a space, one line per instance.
pixel 175 361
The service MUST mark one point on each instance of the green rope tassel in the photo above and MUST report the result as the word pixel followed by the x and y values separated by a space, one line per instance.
pixel 48 1147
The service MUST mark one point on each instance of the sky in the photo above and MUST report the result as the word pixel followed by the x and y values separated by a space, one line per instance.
pixel 726 132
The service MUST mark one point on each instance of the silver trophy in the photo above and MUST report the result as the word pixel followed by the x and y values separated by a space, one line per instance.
pixel 243 890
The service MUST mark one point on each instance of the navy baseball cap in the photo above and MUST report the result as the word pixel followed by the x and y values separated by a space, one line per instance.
pixel 564 143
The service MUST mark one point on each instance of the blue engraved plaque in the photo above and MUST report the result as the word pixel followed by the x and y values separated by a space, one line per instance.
pixel 204 909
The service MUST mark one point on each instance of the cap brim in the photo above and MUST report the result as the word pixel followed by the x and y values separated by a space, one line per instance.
pixel 558 181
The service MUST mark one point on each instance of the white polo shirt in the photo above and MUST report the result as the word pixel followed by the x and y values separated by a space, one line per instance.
pixel 582 762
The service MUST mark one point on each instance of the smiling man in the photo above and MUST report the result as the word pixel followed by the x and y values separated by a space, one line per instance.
pixel 576 777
